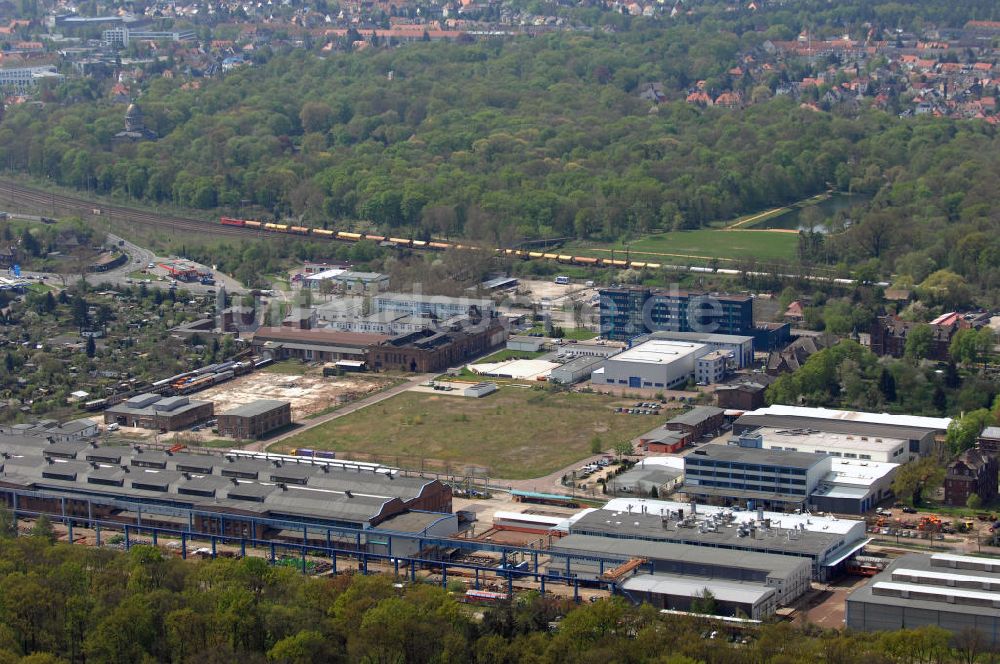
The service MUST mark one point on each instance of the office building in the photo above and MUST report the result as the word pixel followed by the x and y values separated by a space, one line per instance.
pixel 22 79
pixel 389 323
pixel 654 365
pixel 712 368
pixel 626 313
pixel 958 593
pixel 730 474
pixel 255 420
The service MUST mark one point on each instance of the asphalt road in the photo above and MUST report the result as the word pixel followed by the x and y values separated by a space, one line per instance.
pixel 139 258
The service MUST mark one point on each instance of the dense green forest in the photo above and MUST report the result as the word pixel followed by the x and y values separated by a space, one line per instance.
pixel 62 603
pixel 547 137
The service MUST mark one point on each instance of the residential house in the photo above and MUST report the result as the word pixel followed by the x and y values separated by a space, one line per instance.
pixel 973 472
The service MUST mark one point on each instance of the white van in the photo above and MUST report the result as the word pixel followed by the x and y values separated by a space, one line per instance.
pixel 113 426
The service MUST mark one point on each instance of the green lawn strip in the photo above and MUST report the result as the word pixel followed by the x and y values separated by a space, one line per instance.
pixel 699 247
pixel 287 367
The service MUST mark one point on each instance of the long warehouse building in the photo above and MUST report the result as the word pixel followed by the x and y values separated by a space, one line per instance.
pixel 955 592
pixel 231 496
pixel 828 543
pixel 918 432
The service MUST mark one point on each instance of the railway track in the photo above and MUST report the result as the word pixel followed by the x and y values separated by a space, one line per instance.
pixel 41 199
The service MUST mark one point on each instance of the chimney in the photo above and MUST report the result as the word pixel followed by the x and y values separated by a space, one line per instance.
pixel 51 440
pixel 760 513
pixel 186 475
pixel 282 486
pixel 347 493
pixel 694 507
pixel 234 481
pixel 326 468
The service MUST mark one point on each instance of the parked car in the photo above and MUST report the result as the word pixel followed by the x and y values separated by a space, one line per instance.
pixel 909 510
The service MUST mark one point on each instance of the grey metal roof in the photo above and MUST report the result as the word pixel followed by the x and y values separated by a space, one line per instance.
pixel 412 522
pixel 991 432
pixel 696 337
pixel 332 493
pixel 688 586
pixel 921 562
pixel 776 565
pixel 654 474
pixel 754 455
pixel 833 426
pixel 152 409
pixel 696 415
pixel 259 407
pixel 581 363
pixel 661 435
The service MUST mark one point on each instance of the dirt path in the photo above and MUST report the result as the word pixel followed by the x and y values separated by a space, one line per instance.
pixel 261 445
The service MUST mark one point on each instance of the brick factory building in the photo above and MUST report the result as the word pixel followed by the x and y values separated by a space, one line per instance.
pixel 255 420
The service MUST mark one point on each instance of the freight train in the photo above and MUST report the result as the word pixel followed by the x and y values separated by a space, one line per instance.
pixel 435 245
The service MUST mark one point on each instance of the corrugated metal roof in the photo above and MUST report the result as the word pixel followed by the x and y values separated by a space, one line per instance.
pixel 690 586
pixel 259 407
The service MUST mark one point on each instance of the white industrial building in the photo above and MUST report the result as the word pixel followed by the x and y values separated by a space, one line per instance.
pixel 919 432
pixel 436 306
pixel 315 281
pixel 655 364
pixel 844 445
pixel 741 347
pixel 388 322
pixel 828 543
pixel 854 487
pixel 23 78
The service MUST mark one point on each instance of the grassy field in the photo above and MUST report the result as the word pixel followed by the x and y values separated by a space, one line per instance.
pixel 701 246
pixel 515 433
pixel 507 354
pixel 287 367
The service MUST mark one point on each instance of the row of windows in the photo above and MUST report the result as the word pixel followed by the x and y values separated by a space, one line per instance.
pixel 693 460
pixel 742 486
pixel 694 472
